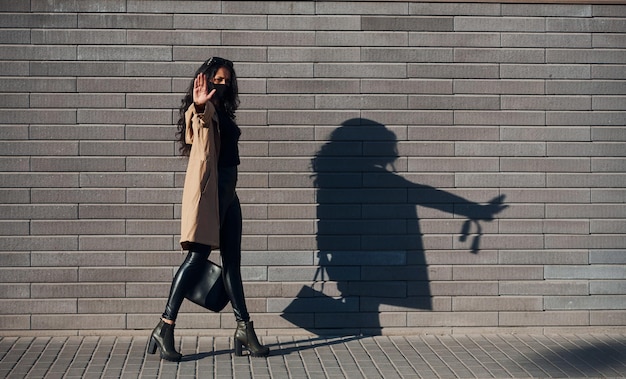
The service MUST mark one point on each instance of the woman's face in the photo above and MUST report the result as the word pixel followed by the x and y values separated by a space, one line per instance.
pixel 222 76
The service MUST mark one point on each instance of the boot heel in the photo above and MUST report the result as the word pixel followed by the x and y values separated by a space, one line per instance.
pixel 238 348
pixel 152 346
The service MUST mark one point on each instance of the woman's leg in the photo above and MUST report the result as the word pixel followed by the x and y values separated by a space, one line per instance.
pixel 230 249
pixel 230 241
pixel 186 276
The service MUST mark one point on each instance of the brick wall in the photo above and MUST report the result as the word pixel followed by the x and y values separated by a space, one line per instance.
pixel 372 133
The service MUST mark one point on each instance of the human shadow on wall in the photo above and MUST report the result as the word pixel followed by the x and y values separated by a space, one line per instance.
pixel 370 246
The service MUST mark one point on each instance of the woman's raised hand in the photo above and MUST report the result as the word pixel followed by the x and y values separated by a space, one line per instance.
pixel 200 93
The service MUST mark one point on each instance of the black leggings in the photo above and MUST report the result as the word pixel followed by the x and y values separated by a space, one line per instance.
pixel 230 251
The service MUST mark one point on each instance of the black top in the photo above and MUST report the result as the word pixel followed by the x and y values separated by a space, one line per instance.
pixel 229 135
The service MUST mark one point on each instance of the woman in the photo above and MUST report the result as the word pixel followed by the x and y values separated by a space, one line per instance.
pixel 211 213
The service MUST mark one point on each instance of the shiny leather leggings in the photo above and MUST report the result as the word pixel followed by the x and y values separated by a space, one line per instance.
pixel 230 251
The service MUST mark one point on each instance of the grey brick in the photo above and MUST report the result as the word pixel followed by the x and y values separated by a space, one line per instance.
pixel 126 180
pixel 27 211
pixel 317 22
pixel 499 180
pixel 38 20
pixel 276 86
pixel 77 258
pixel 74 132
pixel 360 70
pixel 77 37
pixel 543 257
pixel 545 133
pixel 548 318
pixel 598 241
pixel 78 321
pixel 14 196
pixel 125 21
pixel 606 287
pixel 497 303
pixel 501 87
pixel 269 38
pixel 38 180
pixel 597 149
pixel 616 318
pixel 58 227
pixel 425 319
pixel 76 101
pixel 453 70
pixel 312 54
pixel 486 24
pixel 218 22
pixel 352 8
pixel 454 9
pixel 409 23
pixel 523 149
pixel 607 102
pixel 72 6
pixel 607 257
pixel 608 195
pixel 500 272
pixel 585 302
pixel 83 195
pixel 268 7
pixel 46 306
pixel 544 287
pixel 501 55
pixel 124 274
pixel 599 56
pixel 154 196
pixel 607 72
pixel 126 116
pixel 586 180
pixel 77 164
pixel 14 164
pixel 607 226
pixel 126 211
pixel 546 102
pixel 594 24
pixel 15 291
pixel 585 118
pixel 112 85
pixel 173 37
pixel 594 87
pixel 39 275
pixel 562 10
pixel 76 290
pixel 543 40
pixel 402 54
pixel 8 228
pixel 545 164
pixel 15 322
pixel 585 272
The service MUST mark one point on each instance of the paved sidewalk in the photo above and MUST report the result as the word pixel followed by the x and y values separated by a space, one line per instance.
pixel 424 356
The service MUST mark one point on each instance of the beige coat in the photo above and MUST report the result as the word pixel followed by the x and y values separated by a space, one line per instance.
pixel 200 218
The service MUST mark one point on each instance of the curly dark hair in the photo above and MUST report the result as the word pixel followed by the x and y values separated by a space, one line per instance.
pixel 229 105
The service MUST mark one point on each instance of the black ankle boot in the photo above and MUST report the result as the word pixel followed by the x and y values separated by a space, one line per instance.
pixel 245 336
pixel 163 338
